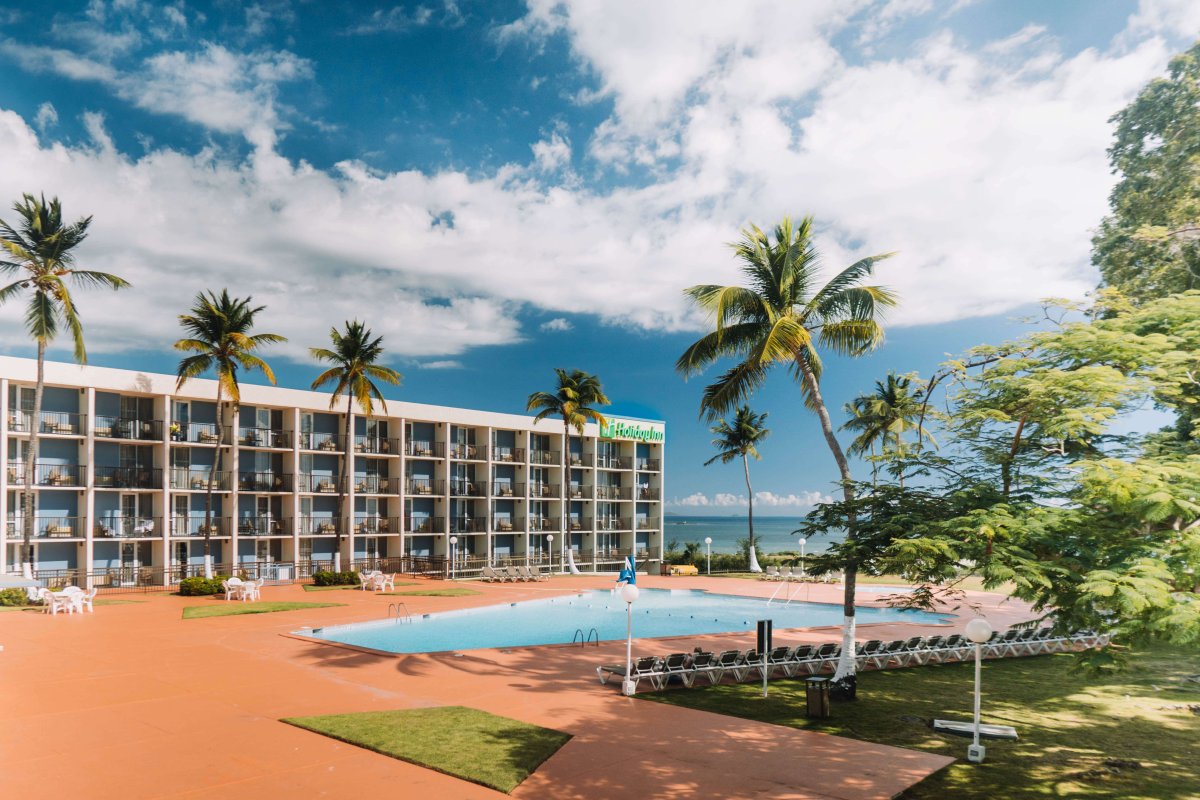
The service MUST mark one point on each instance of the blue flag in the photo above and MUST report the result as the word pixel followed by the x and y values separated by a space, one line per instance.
pixel 628 572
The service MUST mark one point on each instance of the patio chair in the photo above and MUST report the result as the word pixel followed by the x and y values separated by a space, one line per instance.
pixel 252 590
pixel 770 574
pixel 488 574
pixel 801 660
pixel 725 662
pixel 645 667
pixel 778 659
pixel 957 647
pixel 786 573
pixel 231 586
pixel 753 661
pixel 364 580
pixel 84 600
pixel 886 654
pixel 865 650
pixel 387 582
pixel 675 666
pixel 60 601
pixel 513 573
pixel 826 656
pixel 701 664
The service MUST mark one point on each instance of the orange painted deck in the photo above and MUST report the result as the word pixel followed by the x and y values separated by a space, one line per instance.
pixel 135 702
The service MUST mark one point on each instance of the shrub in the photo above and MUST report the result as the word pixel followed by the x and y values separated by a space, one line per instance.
pixel 198 586
pixel 13 597
pixel 328 577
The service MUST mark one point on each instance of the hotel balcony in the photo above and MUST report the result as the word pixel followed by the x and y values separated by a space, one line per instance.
pixel 424 524
pixel 265 437
pixel 374 484
pixel 546 457
pixel 122 527
pixel 468 525
pixel 264 526
pixel 509 455
pixel 127 478
pixel 550 490
pixel 425 486
pixel 199 433
pixel 649 493
pixel 613 524
pixel 143 430
pixel 47 527
pixel 613 462
pixel 614 493
pixel 47 474
pixel 199 480
pixel 376 444
pixel 543 525
pixel 578 492
pixel 193 525
pixel 645 524
pixel 425 449
pixel 507 524
pixel 59 423
pixel 469 452
pixel 579 524
pixel 321 442
pixel 316 484
pixel 649 465
pixel 372 525
pixel 467 488
pixel 505 489
pixel 265 482
pixel 581 460
pixel 319 526
pixel 620 553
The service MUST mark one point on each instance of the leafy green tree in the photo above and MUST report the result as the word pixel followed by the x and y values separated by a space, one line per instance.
pixel 40 252
pixel 881 419
pixel 1149 246
pixel 782 317
pixel 739 438
pixel 572 400
pixel 354 356
pixel 220 341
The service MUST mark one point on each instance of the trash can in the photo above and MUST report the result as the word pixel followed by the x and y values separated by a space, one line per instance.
pixel 816 692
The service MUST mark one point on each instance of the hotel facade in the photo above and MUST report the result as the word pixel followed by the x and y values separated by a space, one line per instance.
pixel 124 465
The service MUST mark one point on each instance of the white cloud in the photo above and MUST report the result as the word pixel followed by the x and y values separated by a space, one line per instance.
pixel 47 117
pixel 443 364
pixel 763 500
pixel 558 324
pixel 552 154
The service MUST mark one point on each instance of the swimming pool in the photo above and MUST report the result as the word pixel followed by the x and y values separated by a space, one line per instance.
pixel 658 612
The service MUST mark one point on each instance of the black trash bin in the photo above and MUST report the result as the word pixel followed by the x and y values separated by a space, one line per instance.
pixel 816 692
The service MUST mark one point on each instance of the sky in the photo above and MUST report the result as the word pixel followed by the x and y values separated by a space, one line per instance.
pixel 504 188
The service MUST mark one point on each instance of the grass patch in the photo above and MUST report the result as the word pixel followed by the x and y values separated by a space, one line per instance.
pixel 231 609
pixel 112 601
pixel 1079 734
pixel 453 591
pixel 483 748
pixel 308 587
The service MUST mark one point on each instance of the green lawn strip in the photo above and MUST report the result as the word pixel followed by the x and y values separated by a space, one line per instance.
pixel 483 748
pixel 310 588
pixel 112 601
pixel 1069 724
pixel 453 591
pixel 233 608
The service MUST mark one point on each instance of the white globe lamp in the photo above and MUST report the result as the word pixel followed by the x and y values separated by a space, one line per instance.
pixel 628 593
pixel 979 631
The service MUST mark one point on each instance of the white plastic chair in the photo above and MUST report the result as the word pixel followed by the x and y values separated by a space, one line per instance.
pixel 232 586
pixel 60 601
pixel 386 582
pixel 252 590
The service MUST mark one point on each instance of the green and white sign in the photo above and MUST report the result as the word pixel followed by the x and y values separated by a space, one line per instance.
pixel 627 429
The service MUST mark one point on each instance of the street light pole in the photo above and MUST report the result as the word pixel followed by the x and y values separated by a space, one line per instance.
pixel 453 554
pixel 629 593
pixel 550 549
pixel 978 631
pixel 708 555
pixel 802 562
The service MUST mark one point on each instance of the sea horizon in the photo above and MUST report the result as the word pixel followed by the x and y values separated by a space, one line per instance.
pixel 773 534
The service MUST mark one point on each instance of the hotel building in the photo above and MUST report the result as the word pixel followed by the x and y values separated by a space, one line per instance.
pixel 124 464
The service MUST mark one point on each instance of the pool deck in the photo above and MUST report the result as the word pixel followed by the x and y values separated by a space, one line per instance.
pixel 135 702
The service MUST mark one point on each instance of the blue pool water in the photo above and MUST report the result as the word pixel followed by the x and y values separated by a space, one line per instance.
pixel 658 612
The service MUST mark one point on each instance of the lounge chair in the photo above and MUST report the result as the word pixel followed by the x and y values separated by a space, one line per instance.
pixel 537 574
pixel 865 650
pixel 778 659
pixel 645 667
pixel 771 574
pixel 786 573
pixel 725 662
pixel 801 660
pixel 753 661
pixel 513 573
pixel 701 664
pixel 487 573
pixel 676 665
pixel 886 654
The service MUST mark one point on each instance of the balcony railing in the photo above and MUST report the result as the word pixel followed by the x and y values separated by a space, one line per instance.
pixel 316 484
pixel 193 525
pixel 543 524
pixel 580 459
pixel 119 526
pixel 319 526
pixel 264 437
pixel 646 524
pixel 648 493
pixel 199 433
pixel 54 422
pixel 376 444
pixel 613 524
pixel 549 457
pixel 199 479
pixel 419 449
pixel 264 526
pixel 324 442
pixel 374 484
pixel 614 493
pixel 56 474
pixel 649 464
pixel 47 527
pixel 127 478
pixel 468 525
pixel 469 452
pixel 371 525
pixel 613 462
pixel 467 488
pixel 509 455
pixel 577 492
pixel 506 489
pixel 579 524
pixel 424 524
pixel 265 482
pixel 146 430
pixel 544 489
pixel 507 524
pixel 423 486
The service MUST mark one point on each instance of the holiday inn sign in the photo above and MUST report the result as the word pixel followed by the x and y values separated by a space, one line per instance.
pixel 625 429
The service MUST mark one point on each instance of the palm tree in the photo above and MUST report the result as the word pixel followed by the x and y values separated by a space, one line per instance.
pixel 220 339
pixel 740 438
pixel 781 318
pixel 41 252
pixel 572 400
pixel 354 356
pixel 883 417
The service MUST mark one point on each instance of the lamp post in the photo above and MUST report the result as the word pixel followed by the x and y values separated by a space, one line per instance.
pixel 550 549
pixel 629 593
pixel 802 543
pixel 453 554
pixel 978 631
pixel 708 555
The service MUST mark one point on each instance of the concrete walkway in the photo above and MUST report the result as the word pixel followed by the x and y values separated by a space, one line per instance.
pixel 135 702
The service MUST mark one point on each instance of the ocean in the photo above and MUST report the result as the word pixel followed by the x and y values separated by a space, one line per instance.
pixel 773 534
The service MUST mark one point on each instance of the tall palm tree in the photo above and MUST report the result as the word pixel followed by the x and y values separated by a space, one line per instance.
pixel 782 317
pixel 740 437
pixel 40 252
pixel 882 417
pixel 572 400
pixel 354 356
pixel 220 339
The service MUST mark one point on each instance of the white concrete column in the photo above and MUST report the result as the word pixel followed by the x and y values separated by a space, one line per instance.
pixel 87 557
pixel 351 493
pixel 231 512
pixel 4 482
pixel 294 500
pixel 402 494
pixel 163 412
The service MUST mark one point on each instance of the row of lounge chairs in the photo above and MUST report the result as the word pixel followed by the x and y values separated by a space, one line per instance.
pixel 807 659
pixel 795 574
pixel 512 573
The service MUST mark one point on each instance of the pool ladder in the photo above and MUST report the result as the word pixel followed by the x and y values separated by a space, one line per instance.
pixel 397 608
pixel 584 641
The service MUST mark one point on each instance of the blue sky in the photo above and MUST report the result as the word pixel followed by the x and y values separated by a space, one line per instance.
pixel 502 188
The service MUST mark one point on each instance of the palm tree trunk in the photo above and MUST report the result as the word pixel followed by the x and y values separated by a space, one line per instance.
pixel 342 527
pixel 566 500
pixel 31 461
pixel 754 567
pixel 212 479
pixel 846 662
